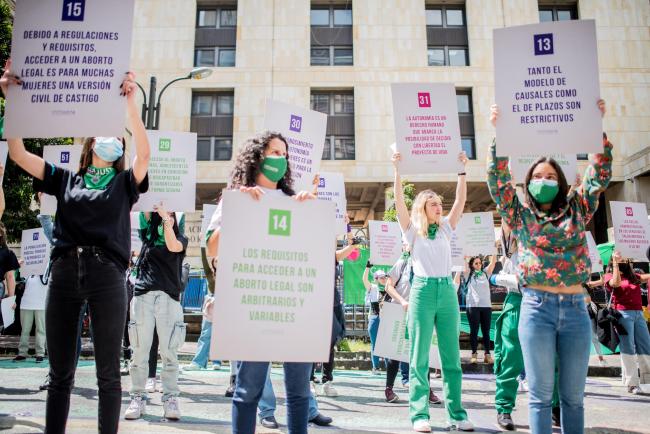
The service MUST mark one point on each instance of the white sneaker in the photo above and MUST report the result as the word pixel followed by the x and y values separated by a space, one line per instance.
pixel 461 425
pixel 329 390
pixel 421 425
pixel 171 408
pixel 192 367
pixel 602 363
pixel 312 389
pixel 150 385
pixel 136 408
pixel 376 371
pixel 523 385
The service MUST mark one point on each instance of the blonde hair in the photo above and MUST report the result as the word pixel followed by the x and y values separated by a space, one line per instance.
pixel 418 213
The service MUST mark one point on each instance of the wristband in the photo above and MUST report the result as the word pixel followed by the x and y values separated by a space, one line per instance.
pixel 462 174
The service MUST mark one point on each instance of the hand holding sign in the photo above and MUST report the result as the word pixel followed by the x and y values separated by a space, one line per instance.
pixel 8 78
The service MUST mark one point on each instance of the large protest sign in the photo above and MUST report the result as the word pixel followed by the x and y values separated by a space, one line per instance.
pixel 457 257
pixel 305 130
pixel 332 187
pixel 631 229
pixel 275 284
pixel 596 262
pixel 519 166
pixel 35 250
pixel 136 242
pixel 385 242
pixel 475 233
pixel 206 215
pixel 392 342
pixel 172 172
pixel 71 56
pixel 427 131
pixel 4 151
pixel 66 157
pixel 8 312
pixel 546 85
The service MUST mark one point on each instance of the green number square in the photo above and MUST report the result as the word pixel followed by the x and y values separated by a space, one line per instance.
pixel 477 220
pixel 280 222
pixel 165 145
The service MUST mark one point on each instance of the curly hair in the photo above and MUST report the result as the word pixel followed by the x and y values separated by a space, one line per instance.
pixel 249 161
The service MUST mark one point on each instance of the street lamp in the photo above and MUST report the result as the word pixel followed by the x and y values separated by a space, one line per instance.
pixel 151 112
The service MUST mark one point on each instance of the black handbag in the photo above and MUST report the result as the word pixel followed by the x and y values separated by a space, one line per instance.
pixel 609 327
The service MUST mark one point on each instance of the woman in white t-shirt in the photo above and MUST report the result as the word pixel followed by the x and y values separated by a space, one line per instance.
pixel 433 301
pixel 479 304
pixel 32 311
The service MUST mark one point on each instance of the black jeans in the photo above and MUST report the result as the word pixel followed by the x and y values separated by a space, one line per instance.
pixel 85 276
pixel 328 368
pixel 479 316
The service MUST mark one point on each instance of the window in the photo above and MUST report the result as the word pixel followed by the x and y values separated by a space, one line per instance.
pixel 214 149
pixel 333 16
pixel 212 121
pixel 212 104
pixel 467 143
pixel 320 17
pixel 446 36
pixel 214 56
pixel 208 18
pixel 216 18
pixel 323 56
pixel 463 103
pixel 557 13
pixel 466 121
pixel 331 35
pixel 339 106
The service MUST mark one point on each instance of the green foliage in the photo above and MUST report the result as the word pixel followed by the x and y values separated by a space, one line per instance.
pixel 5 32
pixel 390 215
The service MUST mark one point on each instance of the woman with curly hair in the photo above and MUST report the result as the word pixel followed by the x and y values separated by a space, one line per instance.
pixel 262 169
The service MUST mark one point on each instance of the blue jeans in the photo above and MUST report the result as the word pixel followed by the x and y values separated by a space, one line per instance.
pixel 404 368
pixel 373 328
pixel 248 391
pixel 550 326
pixel 635 348
pixel 267 402
pixel 203 345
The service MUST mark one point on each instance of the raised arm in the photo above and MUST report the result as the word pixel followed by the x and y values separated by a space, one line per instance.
pixel 142 149
pixel 366 272
pixel 615 281
pixel 345 251
pixel 403 216
pixel 490 268
pixel 461 194
pixel 171 242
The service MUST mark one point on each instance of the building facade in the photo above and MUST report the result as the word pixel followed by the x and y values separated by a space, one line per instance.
pixel 340 57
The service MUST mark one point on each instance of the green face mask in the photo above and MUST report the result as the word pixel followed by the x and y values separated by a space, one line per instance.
pixel 98 178
pixel 274 167
pixel 432 231
pixel 543 190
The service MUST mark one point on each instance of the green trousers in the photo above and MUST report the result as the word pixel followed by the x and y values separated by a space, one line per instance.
pixel 508 359
pixel 432 303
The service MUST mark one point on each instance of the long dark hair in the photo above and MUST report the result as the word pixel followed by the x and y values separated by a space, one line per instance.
pixel 249 160
pixel 155 220
pixel 471 267
pixel 560 200
pixel 626 270
pixel 87 156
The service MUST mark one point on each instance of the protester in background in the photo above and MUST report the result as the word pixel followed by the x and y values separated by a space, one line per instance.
pixel 90 256
pixel 262 168
pixel 433 301
pixel 479 304
pixel 374 294
pixel 200 360
pixel 625 287
pixel 553 261
pixel 32 312
pixel 8 264
pixel 127 353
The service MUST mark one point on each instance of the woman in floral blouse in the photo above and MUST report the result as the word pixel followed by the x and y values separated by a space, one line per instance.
pixel 553 261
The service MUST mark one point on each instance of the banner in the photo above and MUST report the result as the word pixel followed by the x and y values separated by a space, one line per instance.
pixel 304 130
pixel 547 88
pixel 391 338
pixel 385 242
pixel 172 172
pixel 457 257
pixel 594 256
pixel 631 229
pixel 332 187
pixel 519 166
pixel 35 251
pixel 66 157
pixel 4 151
pixel 427 131
pixel 72 56
pixel 475 232
pixel 206 216
pixel 275 288
pixel 136 242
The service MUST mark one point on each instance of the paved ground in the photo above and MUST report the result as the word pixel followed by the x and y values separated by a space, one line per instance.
pixel 360 408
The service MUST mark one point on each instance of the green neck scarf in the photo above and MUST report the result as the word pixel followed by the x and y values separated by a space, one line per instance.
pixel 478 273
pixel 432 231
pixel 381 287
pixel 98 178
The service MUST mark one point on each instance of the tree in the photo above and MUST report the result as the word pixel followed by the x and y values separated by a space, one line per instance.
pixel 390 215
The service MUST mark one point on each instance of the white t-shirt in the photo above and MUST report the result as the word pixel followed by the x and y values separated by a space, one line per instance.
pixel 215 221
pixel 431 258
pixel 35 294
pixel 401 273
pixel 478 291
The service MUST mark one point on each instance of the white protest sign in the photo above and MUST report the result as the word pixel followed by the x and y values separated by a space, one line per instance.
pixel 594 256
pixel 71 56
pixel 276 282
pixel 206 216
pixel 35 250
pixel 631 229
pixel 8 313
pixel 519 166
pixel 547 88
pixel 172 172
pixel 64 156
pixel 475 232
pixel 391 338
pixel 304 130
pixel 427 131
pixel 4 151
pixel 332 187
pixel 136 242
pixel 456 247
pixel 385 242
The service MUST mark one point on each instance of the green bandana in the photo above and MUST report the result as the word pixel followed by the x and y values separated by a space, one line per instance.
pixel 98 178
pixel 478 273
pixel 382 288
pixel 432 231
pixel 405 255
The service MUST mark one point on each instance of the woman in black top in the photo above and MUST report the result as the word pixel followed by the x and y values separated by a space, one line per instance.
pixel 92 245
pixel 8 264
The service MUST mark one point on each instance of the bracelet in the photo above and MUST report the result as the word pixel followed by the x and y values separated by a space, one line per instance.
pixel 462 174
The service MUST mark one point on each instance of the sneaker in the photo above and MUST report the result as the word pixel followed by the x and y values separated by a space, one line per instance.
pixel 192 367
pixel 312 389
pixel 269 422
pixel 461 425
pixel 216 366
pixel 390 395
pixel 474 358
pixel 556 416
pixel 405 384
pixel 136 408
pixel 20 358
pixel 505 421
pixel 437 373
pixel 329 390
pixel 602 363
pixel 523 385
pixel 488 359
pixel 321 420
pixel 634 390
pixel 150 385
pixel 126 365
pixel 421 425
pixel 45 384
pixel 172 410
pixel 433 399
pixel 230 391
pixel 376 371
pixel 39 359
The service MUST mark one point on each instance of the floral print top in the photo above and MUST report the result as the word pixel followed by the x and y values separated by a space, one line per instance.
pixel 552 248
